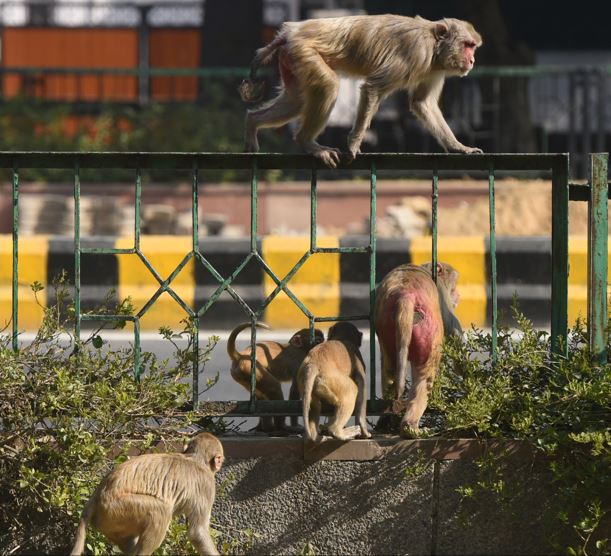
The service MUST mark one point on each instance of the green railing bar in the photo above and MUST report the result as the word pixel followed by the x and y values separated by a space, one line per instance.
pixel 181 302
pixel 373 209
pixel 144 309
pixel 340 250
pixel 195 377
pixel 224 284
pixel 107 318
pixel 137 349
pixel 15 288
pixel 107 251
pixel 77 253
pixel 253 206
pixel 598 256
pixel 493 294
pixel 282 285
pixel 273 161
pixel 149 266
pixel 340 318
pixel 195 207
pixel 137 209
pixel 253 362
pixel 560 255
pixel 434 205
pixel 313 212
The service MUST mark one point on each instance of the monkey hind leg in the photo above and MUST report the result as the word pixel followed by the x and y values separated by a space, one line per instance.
pixel 344 407
pixel 278 111
pixel 422 382
pixel 155 517
pixel 313 420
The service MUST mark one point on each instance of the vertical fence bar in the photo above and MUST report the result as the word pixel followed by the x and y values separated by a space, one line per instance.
pixel 313 209
pixel 493 295
pixel 597 256
pixel 137 209
pixel 15 284
pixel 434 203
pixel 560 256
pixel 77 253
pixel 137 350
pixel 372 278
pixel 195 246
pixel 253 249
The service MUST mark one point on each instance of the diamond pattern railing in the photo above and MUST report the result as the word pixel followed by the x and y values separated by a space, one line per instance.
pixel 554 164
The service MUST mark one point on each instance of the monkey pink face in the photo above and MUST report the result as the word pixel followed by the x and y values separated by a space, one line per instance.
pixel 217 462
pixel 469 47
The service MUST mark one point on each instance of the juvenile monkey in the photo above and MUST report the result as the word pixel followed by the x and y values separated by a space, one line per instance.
pixel 390 52
pixel 412 314
pixel 276 363
pixel 334 371
pixel 134 504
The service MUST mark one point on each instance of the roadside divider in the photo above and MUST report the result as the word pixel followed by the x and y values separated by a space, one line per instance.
pixel 327 284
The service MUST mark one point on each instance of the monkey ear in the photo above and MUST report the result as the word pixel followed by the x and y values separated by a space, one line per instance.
pixel 440 30
pixel 439 269
pixel 296 341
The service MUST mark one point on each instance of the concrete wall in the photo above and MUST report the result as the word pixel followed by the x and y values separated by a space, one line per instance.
pixel 382 496
pixel 328 284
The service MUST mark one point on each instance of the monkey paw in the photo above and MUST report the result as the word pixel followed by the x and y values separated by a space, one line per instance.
pixel 468 150
pixel 351 154
pixel 329 157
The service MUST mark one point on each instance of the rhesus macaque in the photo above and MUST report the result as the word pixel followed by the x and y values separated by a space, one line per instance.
pixel 134 504
pixel 390 52
pixel 276 363
pixel 412 314
pixel 334 371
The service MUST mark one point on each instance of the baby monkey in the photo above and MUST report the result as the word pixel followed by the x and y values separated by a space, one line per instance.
pixel 334 371
pixel 134 504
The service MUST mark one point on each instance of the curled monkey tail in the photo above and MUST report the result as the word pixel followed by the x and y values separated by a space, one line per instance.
pixel 251 89
pixel 405 324
pixel 233 353
pixel 308 386
pixel 81 532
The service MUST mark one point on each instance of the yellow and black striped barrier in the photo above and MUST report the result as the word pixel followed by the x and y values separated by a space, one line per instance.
pixel 328 284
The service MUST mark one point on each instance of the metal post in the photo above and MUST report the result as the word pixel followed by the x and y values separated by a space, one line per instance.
pixel 77 254
pixel 560 256
pixel 434 203
pixel 195 246
pixel 597 256
pixel 493 294
pixel 372 279
pixel 15 291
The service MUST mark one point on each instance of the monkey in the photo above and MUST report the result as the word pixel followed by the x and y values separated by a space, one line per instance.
pixel 276 363
pixel 412 315
pixel 334 371
pixel 134 504
pixel 390 52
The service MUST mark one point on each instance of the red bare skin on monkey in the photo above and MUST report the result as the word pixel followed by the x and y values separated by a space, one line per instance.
pixel 423 332
pixel 286 68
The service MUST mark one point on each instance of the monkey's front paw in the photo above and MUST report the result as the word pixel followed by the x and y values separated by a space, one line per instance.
pixel 351 154
pixel 364 434
pixel 469 150
pixel 329 157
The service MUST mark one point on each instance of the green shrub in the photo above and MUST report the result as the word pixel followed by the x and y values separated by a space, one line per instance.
pixel 560 408
pixel 62 412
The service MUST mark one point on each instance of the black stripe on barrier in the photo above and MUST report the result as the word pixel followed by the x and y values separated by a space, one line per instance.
pixel 354 269
pixel 524 268
pixel 99 273
pixel 225 255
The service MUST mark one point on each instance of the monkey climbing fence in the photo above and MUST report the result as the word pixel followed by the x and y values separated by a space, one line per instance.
pixel 557 165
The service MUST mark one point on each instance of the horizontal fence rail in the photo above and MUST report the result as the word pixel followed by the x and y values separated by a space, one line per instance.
pixel 557 165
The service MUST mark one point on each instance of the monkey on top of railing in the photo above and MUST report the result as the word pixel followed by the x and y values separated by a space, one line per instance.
pixel 390 52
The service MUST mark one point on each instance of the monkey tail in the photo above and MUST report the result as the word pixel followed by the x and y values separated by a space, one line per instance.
pixel 251 89
pixel 405 324
pixel 233 353
pixel 308 387
pixel 81 531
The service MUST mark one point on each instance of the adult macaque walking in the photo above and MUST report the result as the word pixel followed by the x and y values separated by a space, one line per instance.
pixel 134 504
pixel 334 371
pixel 276 363
pixel 390 52
pixel 412 314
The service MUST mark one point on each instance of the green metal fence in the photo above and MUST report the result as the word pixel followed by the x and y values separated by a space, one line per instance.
pixel 557 165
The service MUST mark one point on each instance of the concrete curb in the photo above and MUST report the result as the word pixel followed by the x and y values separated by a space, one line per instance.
pixel 328 284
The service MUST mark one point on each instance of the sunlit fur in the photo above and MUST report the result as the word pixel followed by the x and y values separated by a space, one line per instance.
pixel 134 504
pixel 412 315
pixel 334 372
pixel 391 52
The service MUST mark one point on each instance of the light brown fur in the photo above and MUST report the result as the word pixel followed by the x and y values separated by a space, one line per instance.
pixel 276 363
pixel 412 315
pixel 334 371
pixel 134 504
pixel 390 52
